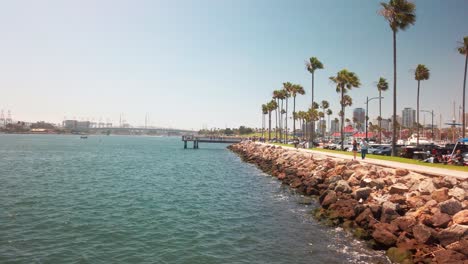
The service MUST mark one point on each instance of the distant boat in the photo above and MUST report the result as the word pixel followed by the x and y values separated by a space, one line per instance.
pixel 84 137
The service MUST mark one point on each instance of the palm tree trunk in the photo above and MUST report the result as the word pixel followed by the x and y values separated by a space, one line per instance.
pixel 281 121
pixel 342 118
pixel 286 121
pixel 294 118
pixel 263 122
pixel 417 116
pixel 269 125
pixel 312 132
pixel 276 122
pixel 329 128
pixel 394 152
pixel 380 116
pixel 464 89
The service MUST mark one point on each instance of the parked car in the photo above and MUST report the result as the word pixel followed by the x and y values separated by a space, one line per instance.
pixel 385 150
pixel 374 148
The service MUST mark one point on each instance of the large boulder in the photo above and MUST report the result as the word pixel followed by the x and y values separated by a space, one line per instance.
pixel 384 237
pixel 459 246
pixel 422 233
pixel 450 207
pixel 457 193
pixel 447 256
pixel 389 212
pixel 452 234
pixel 405 223
pixel 343 186
pixel 461 217
pixel 426 186
pixel 398 188
pixel 401 172
pixel 362 193
pixel 328 198
pixel 343 208
pixel 440 195
pixel 440 219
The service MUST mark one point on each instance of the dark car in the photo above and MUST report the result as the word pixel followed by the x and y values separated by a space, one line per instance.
pixel 384 150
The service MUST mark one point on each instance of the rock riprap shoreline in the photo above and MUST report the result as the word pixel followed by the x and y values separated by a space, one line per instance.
pixel 416 218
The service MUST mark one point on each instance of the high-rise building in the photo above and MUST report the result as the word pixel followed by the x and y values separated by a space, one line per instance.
pixel 409 117
pixel 321 126
pixel 360 115
pixel 334 126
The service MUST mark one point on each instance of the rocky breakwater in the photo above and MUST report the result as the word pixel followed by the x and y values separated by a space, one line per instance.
pixel 416 218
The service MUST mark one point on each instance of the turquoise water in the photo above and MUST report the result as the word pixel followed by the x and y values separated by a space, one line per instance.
pixel 147 200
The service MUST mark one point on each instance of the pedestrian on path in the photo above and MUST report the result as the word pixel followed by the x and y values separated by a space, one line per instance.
pixel 364 147
pixel 354 148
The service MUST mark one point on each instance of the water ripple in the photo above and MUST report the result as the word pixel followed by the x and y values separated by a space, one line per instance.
pixel 147 200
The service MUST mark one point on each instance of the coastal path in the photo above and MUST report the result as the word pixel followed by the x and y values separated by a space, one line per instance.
pixel 391 164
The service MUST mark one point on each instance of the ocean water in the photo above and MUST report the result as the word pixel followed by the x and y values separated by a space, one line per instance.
pixel 116 199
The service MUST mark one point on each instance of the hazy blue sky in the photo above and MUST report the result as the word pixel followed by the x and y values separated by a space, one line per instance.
pixel 194 63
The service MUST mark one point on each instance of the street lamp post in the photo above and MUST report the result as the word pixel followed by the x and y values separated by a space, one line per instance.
pixel 367 111
pixel 432 121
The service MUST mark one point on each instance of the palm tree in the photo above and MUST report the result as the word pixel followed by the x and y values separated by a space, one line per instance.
pixel 313 115
pixel 272 105
pixel 277 97
pixel 264 112
pixel 345 80
pixel 324 105
pixel 463 49
pixel 296 89
pixel 283 96
pixel 329 113
pixel 382 86
pixel 312 65
pixel 287 87
pixel 321 126
pixel 420 74
pixel 400 15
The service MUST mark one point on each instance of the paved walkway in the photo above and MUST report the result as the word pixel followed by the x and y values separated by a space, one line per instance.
pixel 392 164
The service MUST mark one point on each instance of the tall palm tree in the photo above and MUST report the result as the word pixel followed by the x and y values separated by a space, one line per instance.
pixel 400 14
pixel 312 65
pixel 272 105
pixel 344 81
pixel 420 74
pixel 287 87
pixel 276 96
pixel 264 112
pixel 296 89
pixel 329 113
pixel 382 86
pixel 313 115
pixel 463 49
pixel 321 126
pixel 324 105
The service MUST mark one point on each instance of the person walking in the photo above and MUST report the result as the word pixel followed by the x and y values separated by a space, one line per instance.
pixel 354 148
pixel 364 147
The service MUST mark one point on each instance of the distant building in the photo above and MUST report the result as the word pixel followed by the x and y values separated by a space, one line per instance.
pixel 334 126
pixel 69 124
pixel 360 115
pixel 76 125
pixel 408 117
pixel 321 126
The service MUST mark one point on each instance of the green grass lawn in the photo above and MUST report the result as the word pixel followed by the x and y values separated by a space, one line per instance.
pixel 389 158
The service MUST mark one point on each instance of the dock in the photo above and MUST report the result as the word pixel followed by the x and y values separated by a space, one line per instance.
pixel 207 139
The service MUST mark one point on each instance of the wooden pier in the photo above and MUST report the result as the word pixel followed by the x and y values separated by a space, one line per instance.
pixel 206 139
